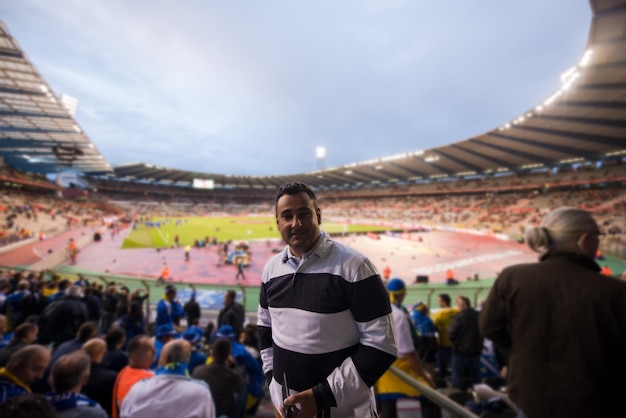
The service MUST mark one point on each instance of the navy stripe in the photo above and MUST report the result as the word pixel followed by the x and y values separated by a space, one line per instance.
pixel 369 299
pixel 262 297
pixel 307 370
pixel 328 293
pixel 371 363
pixel 265 337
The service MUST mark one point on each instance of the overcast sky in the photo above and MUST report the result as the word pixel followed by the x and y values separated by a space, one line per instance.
pixel 253 87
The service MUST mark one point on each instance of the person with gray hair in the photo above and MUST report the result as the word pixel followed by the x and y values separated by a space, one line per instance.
pixel 170 393
pixel 562 322
pixel 69 374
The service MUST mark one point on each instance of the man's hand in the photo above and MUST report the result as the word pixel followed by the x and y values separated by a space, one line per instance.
pixel 306 400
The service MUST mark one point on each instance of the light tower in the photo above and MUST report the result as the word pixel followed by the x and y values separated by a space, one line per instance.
pixel 320 153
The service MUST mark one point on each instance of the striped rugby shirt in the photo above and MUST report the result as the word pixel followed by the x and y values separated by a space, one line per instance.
pixel 325 320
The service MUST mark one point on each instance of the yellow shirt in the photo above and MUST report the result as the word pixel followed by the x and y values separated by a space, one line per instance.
pixel 442 320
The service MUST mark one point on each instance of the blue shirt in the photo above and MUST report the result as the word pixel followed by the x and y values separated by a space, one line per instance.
pixel 423 324
pixel 168 311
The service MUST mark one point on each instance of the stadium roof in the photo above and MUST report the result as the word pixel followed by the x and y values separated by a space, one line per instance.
pixel 37 133
pixel 583 120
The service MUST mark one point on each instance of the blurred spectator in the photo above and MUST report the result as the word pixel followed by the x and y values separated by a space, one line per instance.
pixel 60 321
pixel 115 358
pixel 192 310
pixel 82 282
pixel 132 321
pixel 27 406
pixel 249 338
pixel 442 320
pixel 578 318
pixel 99 387
pixel 178 395
pixel 467 345
pixel 69 374
pixel 94 309
pixel 164 334
pixel 109 307
pixel 12 307
pixel 123 302
pixel 23 369
pixel 225 383
pixel 35 302
pixel 86 332
pixel 253 371
pixel 169 309
pixel 62 287
pixel 389 388
pixel 141 355
pixel 232 314
pixel 425 328
pixel 24 335
pixel 194 335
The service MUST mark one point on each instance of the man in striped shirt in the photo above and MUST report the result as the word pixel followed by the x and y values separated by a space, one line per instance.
pixel 324 317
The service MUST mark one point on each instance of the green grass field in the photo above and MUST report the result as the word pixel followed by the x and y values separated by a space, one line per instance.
pixel 237 228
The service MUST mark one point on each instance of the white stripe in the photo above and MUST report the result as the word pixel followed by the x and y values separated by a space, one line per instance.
pixel 313 333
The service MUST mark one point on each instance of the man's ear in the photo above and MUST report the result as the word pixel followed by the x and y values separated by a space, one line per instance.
pixel 85 379
pixel 319 216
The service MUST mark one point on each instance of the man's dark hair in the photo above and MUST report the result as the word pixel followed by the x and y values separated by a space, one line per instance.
pixel 23 330
pixel 446 298
pixel 231 294
pixel 87 331
pixel 221 350
pixel 466 301
pixel 64 284
pixel 30 405
pixel 114 337
pixel 294 189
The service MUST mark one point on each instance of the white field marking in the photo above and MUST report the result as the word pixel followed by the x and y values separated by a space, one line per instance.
pixel 438 268
pixel 165 240
pixel 37 252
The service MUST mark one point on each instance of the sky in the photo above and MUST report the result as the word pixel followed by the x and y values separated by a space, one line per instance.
pixel 254 87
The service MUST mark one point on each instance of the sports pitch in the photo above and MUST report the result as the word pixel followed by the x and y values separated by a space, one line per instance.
pixel 235 228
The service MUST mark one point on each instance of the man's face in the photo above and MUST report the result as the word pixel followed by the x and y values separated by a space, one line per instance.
pixel 33 371
pixel 442 303
pixel 298 220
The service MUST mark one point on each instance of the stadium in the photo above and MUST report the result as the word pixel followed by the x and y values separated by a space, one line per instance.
pixel 459 209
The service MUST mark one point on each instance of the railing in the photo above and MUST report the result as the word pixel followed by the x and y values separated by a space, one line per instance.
pixel 443 401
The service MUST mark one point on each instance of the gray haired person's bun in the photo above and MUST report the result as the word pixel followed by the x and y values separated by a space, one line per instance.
pixel 560 230
pixel 538 239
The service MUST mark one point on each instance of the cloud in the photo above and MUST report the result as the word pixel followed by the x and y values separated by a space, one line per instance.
pixel 254 87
